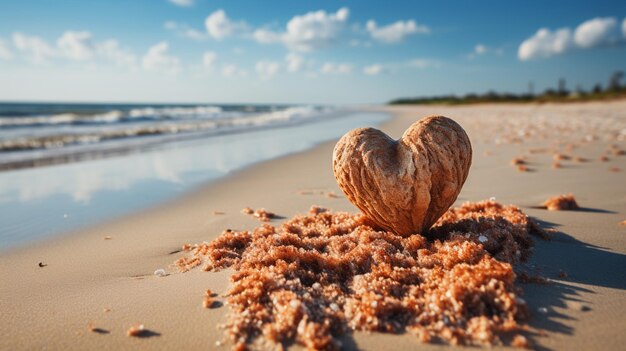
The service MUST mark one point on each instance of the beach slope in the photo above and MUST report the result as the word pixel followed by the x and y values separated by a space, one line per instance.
pixel 96 283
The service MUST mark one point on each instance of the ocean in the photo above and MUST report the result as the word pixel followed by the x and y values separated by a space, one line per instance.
pixel 67 166
pixel 33 134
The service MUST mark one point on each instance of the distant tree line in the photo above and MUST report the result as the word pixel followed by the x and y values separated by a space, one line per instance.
pixel 613 89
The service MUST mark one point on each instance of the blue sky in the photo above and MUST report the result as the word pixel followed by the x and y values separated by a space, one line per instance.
pixel 301 52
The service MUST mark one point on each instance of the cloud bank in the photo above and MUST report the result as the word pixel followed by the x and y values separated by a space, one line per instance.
pixel 395 32
pixel 220 26
pixel 308 32
pixel 158 59
pixel 596 32
pixel 36 49
pixel 76 46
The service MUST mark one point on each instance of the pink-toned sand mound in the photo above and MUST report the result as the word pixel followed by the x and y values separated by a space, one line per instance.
pixel 561 203
pixel 318 276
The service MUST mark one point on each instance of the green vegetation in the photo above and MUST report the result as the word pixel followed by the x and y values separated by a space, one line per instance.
pixel 614 90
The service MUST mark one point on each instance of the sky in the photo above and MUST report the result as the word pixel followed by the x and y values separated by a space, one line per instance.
pixel 331 52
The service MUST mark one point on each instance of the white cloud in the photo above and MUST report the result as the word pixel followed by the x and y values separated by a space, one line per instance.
pixel 599 31
pixel 110 50
pixel 373 70
pixel 76 46
pixel 38 51
pixel 73 45
pixel 5 52
pixel 183 3
pixel 265 36
pixel 267 69
pixel 596 32
pixel 308 32
pixel 336 68
pixel 80 46
pixel 219 26
pixel 208 59
pixel 294 62
pixel 184 30
pixel 158 59
pixel 545 44
pixel 395 32
pixel 231 70
pixel 480 49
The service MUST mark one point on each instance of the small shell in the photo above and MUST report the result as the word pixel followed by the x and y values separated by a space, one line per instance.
pixel 136 330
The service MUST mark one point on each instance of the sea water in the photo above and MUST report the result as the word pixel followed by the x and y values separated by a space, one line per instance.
pixel 40 202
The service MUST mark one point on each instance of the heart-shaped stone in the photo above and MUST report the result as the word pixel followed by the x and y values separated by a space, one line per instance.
pixel 404 185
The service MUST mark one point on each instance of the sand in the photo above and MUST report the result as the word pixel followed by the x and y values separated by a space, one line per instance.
pixel 90 282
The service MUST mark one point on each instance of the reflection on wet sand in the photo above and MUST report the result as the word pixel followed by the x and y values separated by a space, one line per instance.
pixel 47 200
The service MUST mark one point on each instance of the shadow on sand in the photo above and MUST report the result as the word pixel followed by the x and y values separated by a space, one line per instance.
pixel 570 261
pixel 146 333
pixel 581 209
pixel 583 263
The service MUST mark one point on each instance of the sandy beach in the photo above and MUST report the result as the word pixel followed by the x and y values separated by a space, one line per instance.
pixel 110 284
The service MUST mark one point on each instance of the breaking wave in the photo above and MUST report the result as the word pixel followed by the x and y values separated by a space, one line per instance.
pixel 33 135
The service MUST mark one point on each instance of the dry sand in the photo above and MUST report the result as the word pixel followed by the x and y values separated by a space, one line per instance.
pixel 110 283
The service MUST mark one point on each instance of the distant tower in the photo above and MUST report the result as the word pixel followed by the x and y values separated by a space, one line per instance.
pixel 531 88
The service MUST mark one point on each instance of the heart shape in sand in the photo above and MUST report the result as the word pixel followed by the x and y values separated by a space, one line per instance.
pixel 404 185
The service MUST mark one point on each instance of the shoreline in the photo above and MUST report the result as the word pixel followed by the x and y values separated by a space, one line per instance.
pixel 73 196
pixel 161 206
pixel 113 145
pixel 51 306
